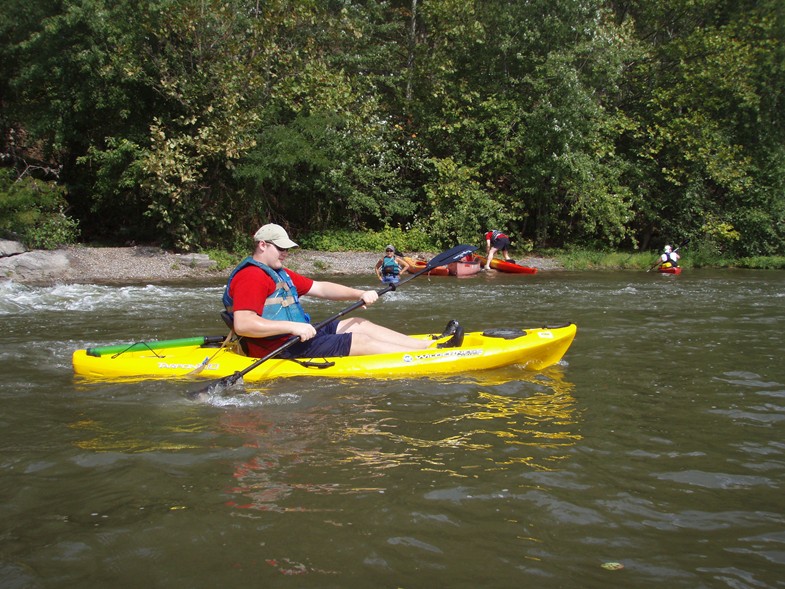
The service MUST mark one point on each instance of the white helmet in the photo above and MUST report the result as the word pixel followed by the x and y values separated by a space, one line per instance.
pixel 667 249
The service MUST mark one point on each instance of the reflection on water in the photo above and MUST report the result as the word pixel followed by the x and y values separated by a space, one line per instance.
pixel 104 438
pixel 492 426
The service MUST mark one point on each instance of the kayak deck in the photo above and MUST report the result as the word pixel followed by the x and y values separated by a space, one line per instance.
pixel 417 265
pixel 508 267
pixel 535 349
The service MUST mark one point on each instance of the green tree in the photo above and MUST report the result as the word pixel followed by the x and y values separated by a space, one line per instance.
pixel 523 94
pixel 336 150
pixel 33 211
pixel 702 99
pixel 73 87
pixel 193 121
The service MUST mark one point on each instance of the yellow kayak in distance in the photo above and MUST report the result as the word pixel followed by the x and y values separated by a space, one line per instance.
pixel 535 349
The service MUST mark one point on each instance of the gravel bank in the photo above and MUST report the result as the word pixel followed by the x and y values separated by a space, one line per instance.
pixel 135 264
pixel 152 265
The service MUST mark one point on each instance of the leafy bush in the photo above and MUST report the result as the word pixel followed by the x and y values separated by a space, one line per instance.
pixel 33 212
pixel 224 259
pixel 582 259
pixel 761 262
pixel 363 241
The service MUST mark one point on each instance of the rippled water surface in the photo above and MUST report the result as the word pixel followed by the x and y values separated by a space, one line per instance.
pixel 652 456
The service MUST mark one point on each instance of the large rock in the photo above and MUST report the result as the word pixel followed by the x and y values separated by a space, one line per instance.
pixel 34 266
pixel 201 261
pixel 11 248
pixel 126 265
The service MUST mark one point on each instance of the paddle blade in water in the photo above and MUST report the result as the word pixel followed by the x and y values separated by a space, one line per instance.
pixel 216 388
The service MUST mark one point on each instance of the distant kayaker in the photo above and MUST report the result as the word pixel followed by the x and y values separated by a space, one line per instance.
pixel 496 241
pixel 264 300
pixel 390 267
pixel 669 258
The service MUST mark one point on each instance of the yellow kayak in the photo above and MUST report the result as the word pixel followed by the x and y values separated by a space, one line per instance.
pixel 534 349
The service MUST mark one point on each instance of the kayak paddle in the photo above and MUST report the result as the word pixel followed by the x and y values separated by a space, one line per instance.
pixel 451 255
pixel 657 263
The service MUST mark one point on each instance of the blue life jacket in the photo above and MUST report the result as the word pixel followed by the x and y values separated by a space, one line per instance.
pixel 390 267
pixel 282 305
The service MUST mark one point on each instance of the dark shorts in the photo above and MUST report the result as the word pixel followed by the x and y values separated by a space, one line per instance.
pixel 501 243
pixel 324 344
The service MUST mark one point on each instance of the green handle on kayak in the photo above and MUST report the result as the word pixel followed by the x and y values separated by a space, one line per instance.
pixel 155 345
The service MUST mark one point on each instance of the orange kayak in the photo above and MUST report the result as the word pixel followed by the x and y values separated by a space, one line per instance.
pixel 417 265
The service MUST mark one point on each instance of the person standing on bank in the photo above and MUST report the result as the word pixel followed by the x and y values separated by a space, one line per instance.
pixel 496 241
pixel 390 267
pixel 263 298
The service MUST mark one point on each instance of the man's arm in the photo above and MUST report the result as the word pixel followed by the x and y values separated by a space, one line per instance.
pixel 338 292
pixel 250 324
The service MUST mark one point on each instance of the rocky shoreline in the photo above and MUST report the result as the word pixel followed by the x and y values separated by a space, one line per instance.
pixel 145 264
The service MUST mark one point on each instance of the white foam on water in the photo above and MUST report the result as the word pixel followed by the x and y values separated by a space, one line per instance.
pixel 21 299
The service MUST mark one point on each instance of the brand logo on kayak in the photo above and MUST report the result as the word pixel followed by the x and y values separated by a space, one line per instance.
pixel 167 366
pixel 441 354
pixel 545 334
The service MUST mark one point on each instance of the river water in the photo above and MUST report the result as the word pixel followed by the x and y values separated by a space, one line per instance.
pixel 652 456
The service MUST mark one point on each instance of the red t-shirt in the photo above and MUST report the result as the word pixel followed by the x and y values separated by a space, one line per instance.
pixel 489 235
pixel 249 288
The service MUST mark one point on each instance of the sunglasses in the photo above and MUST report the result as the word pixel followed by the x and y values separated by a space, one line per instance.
pixel 280 249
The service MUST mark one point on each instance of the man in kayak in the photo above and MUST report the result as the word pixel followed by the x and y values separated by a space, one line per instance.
pixel 669 258
pixel 390 267
pixel 496 241
pixel 264 300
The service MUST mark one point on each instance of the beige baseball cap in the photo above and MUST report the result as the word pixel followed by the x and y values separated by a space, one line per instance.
pixel 274 234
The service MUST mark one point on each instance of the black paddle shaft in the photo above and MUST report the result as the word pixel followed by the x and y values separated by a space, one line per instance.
pixel 451 255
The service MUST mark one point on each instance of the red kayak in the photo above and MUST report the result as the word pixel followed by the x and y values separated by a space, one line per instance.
pixel 509 267
pixel 670 270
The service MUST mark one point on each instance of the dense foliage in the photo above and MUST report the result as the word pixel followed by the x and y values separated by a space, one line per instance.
pixel 589 124
pixel 32 211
